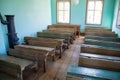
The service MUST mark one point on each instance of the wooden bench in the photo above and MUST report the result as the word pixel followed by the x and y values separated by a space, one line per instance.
pixel 100 63
pixel 64 29
pixel 112 58
pixel 96 28
pixel 112 39
pixel 101 34
pixel 59 31
pixel 85 48
pixel 37 54
pixel 67 27
pixel 102 43
pixel 66 37
pixel 85 73
pixel 43 43
pixel 101 30
pixel 59 47
pixel 11 68
pixel 59 43
pixel 53 35
pixel 72 36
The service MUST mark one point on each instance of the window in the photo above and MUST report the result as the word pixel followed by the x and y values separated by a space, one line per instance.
pixel 94 11
pixel 63 11
pixel 118 17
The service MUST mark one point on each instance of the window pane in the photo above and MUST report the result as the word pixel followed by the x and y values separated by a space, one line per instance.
pixel 60 16
pixel 97 17
pixel 66 16
pixel 118 18
pixel 98 5
pixel 67 6
pixel 60 6
pixel 91 5
pixel 90 15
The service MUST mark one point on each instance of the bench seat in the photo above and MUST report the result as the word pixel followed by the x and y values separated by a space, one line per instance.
pixel 59 42
pixel 95 49
pixel 66 38
pixel 100 63
pixel 4 76
pixel 59 31
pixel 65 27
pixel 12 67
pixel 101 34
pixel 97 28
pixel 91 74
pixel 53 35
pixel 112 39
pixel 45 42
pixel 37 54
pixel 100 30
pixel 112 58
pixel 72 35
pixel 102 43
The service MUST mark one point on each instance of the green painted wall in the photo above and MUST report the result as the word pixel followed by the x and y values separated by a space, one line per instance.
pixel 117 30
pixel 2 43
pixel 31 16
pixel 78 13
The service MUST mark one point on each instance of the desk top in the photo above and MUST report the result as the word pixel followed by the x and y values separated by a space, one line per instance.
pixel 37 47
pixel 95 73
pixel 102 47
pixel 19 61
pixel 112 58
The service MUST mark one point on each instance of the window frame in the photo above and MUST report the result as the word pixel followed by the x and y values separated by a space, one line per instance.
pixel 118 16
pixel 57 21
pixel 94 10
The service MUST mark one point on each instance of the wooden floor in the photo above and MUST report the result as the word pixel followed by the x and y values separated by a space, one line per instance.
pixel 58 69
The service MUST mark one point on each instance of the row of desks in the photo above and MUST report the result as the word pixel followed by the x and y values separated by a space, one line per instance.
pixel 99 58
pixel 25 55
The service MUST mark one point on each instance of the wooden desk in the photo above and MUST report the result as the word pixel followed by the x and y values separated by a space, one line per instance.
pixel 13 66
pixel 92 74
pixel 38 47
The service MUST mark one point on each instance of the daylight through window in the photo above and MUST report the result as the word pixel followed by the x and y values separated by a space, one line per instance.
pixel 63 11
pixel 94 11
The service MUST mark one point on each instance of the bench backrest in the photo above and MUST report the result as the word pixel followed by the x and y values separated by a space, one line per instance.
pixel 103 43
pixel 53 35
pixel 113 39
pixel 64 26
pixel 94 49
pixel 92 73
pixel 60 31
pixel 59 43
pixel 42 43
pixel 96 28
pixel 99 32
pixel 104 34
pixel 10 69
pixel 99 63
pixel 28 53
